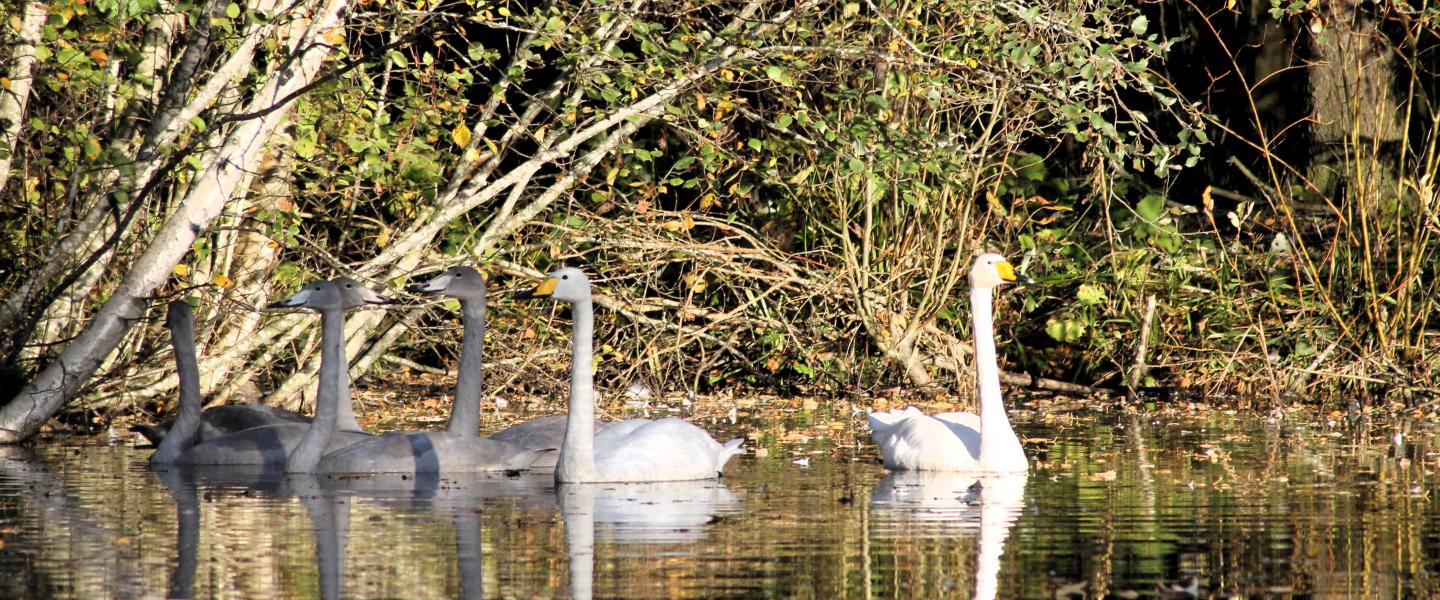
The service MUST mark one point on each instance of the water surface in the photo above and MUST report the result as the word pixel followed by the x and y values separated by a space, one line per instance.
pixel 1121 506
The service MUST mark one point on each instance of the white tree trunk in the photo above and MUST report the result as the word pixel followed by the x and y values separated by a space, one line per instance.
pixel 218 182
pixel 14 97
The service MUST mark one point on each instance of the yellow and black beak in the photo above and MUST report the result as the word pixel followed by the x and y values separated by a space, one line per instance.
pixel 1007 273
pixel 544 290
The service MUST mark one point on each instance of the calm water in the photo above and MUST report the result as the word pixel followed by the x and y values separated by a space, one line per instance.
pixel 1116 506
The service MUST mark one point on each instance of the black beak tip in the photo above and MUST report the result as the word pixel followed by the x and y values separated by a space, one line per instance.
pixel 526 294
pixel 417 288
pixel 275 305
pixel 1024 280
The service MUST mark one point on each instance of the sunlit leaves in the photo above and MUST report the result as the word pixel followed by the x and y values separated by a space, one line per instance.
pixel 460 135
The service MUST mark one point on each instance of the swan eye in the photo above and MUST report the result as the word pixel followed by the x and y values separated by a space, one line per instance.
pixel 349 285
pixel 565 277
pixel 459 275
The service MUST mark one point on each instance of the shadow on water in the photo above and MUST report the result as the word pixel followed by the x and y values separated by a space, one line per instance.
pixel 1144 505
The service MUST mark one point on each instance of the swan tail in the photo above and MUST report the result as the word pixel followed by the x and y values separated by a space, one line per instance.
pixel 882 423
pixel 727 450
pixel 152 433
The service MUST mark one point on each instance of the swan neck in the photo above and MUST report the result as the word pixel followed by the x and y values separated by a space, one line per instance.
pixel 469 384
pixel 577 453
pixel 987 368
pixel 345 407
pixel 333 376
pixel 1000 449
pixel 187 421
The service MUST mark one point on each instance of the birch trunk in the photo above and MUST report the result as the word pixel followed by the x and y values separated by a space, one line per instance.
pixel 16 95
pixel 230 172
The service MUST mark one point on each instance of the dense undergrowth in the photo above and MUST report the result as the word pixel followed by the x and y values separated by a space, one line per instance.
pixel 796 210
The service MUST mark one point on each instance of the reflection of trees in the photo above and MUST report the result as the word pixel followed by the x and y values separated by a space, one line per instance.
pixel 1245 506
pixel 76 547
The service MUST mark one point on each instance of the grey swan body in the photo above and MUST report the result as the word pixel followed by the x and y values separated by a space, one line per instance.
pixel 634 450
pixel 459 448
pixel 273 445
pixel 223 420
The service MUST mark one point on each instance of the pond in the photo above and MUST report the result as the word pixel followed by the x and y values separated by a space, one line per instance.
pixel 1153 504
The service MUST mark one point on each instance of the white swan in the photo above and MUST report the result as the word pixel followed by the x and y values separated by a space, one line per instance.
pixel 958 441
pixel 633 450
pixel 460 448
pixel 274 445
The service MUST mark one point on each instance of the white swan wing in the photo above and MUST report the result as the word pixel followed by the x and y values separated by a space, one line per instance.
pixel 924 443
pixel 665 450
pixel 883 423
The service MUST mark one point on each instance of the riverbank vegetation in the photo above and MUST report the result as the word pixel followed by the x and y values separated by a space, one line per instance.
pixel 777 196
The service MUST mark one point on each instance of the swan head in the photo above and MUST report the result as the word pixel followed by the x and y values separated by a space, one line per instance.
pixel 342 292
pixel 568 285
pixel 354 294
pixel 464 283
pixel 992 270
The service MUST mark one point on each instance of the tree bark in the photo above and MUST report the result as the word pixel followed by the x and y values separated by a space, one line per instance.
pixel 15 96
pixel 214 186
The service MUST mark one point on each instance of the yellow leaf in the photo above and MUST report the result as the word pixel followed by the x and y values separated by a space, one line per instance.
pixel 696 283
pixel 4 83
pixel 851 9
pixel 460 135
pixel 182 270
pixel 707 201
pixel 221 281
pixel 99 56
pixel 92 148
pixel 699 101
pixel 684 224
pixel 1206 200
pixel 382 239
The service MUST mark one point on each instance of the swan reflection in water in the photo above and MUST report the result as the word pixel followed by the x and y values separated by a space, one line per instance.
pixel 678 511
pixel 945 504
pixel 327 502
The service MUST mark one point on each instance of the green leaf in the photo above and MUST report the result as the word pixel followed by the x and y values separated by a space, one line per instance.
pixel 1150 207
pixel 232 10
pixel 780 74
pixel 1064 330
pixel 1090 294
pixel 1139 25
